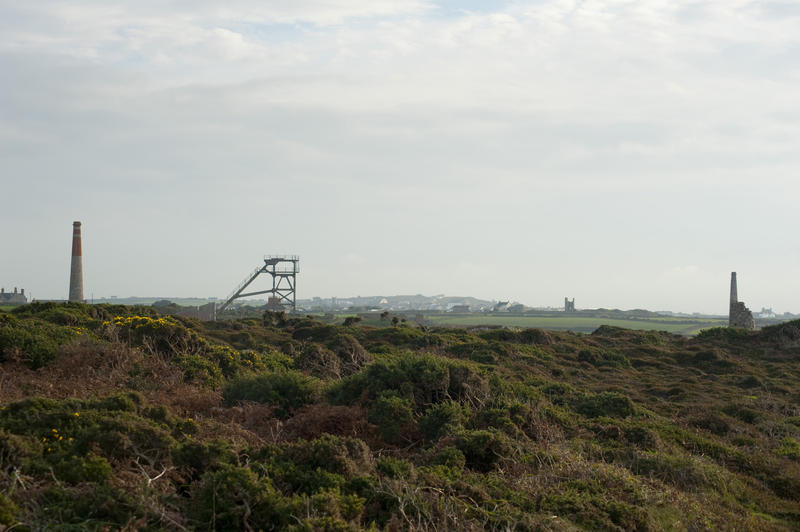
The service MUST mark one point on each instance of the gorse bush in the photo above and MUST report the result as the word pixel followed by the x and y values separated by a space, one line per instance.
pixel 442 419
pixel 483 448
pixel 425 379
pixel 609 404
pixel 285 390
pixel 235 498
pixel 34 342
pixel 393 415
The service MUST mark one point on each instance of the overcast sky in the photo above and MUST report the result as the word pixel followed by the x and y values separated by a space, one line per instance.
pixel 630 154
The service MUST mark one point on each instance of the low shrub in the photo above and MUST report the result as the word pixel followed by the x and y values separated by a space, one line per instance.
pixel 482 352
pixel 235 498
pixel 91 507
pixel 442 419
pixel 201 457
pixel 426 379
pixel 790 448
pixel 9 512
pixel 310 466
pixel 77 469
pixel 482 448
pixel 743 413
pixel 33 341
pixel 610 404
pixel 394 467
pixel 604 358
pixel 450 457
pixel 285 390
pixel 393 415
pixel 712 422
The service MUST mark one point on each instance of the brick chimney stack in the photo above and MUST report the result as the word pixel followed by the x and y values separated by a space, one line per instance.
pixel 734 295
pixel 76 271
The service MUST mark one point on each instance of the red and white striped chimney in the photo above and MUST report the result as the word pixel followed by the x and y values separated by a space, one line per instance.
pixel 76 271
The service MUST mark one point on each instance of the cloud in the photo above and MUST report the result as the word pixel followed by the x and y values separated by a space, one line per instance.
pixel 556 134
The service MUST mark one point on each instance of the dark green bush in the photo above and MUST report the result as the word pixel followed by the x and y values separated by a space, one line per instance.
pixel 393 415
pixel 426 379
pixel 310 466
pixel 482 352
pixel 441 420
pixel 285 390
pixel 393 467
pixel 746 414
pixel 789 448
pixel 712 422
pixel 610 404
pixel 234 498
pixel 751 381
pixel 604 358
pixel 450 457
pixel 340 455
pixel 9 512
pixel 643 438
pixel 681 471
pixel 35 342
pixel 91 507
pixel 482 448
pixel 201 457
pixel 88 468
pixel 315 333
pixel 402 336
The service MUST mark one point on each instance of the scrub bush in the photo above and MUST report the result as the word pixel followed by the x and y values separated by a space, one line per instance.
pixel 610 404
pixel 285 390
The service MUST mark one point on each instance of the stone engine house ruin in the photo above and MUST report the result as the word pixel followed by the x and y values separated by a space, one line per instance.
pixel 739 315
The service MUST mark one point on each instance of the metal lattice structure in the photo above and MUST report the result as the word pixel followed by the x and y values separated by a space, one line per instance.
pixel 283 269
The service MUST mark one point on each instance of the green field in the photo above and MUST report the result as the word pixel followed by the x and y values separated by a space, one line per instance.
pixel 576 323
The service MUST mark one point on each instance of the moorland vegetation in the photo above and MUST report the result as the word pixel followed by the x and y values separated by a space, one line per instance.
pixel 115 417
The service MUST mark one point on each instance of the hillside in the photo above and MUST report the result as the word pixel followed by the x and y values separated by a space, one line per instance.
pixel 114 417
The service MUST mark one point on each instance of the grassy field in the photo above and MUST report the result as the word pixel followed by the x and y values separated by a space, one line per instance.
pixel 577 323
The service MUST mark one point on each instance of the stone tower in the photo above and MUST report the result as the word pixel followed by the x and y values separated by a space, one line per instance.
pixel 739 315
pixel 76 271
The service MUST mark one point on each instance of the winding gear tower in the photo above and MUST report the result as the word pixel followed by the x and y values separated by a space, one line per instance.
pixel 283 269
pixel 76 269
pixel 739 315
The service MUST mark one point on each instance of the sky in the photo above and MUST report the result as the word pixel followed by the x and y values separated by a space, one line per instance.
pixel 629 154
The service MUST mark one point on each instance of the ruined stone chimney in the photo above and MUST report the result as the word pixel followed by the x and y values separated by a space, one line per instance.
pixel 739 315
pixel 76 271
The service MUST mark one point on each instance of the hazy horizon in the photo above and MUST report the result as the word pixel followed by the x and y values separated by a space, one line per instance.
pixel 629 155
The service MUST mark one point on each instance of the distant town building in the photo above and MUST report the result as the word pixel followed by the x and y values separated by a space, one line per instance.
pixel 501 306
pixel 569 306
pixel 767 313
pixel 460 308
pixel 12 298
pixel 207 312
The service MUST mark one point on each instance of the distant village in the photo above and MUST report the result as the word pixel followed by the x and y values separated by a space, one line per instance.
pixel 359 304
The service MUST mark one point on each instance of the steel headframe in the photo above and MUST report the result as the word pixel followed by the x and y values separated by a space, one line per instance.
pixel 283 269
